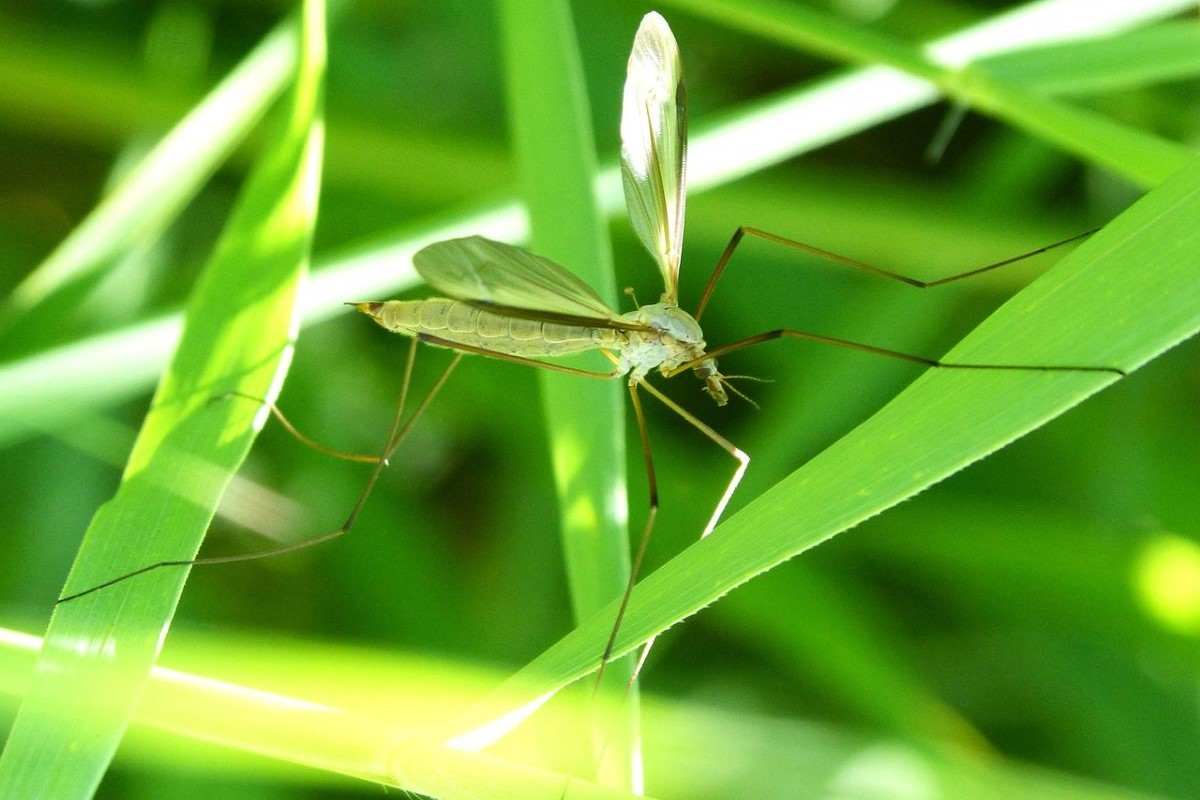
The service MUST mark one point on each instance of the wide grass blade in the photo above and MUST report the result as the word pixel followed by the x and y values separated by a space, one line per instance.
pixel 48 386
pixel 279 703
pixel 1140 156
pixel 1125 296
pixel 99 649
pixel 556 151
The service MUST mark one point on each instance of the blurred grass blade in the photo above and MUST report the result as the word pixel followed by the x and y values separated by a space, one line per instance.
pixel 152 193
pixel 94 96
pixel 1125 296
pixel 552 134
pixel 280 703
pixel 48 386
pixel 1165 52
pixel 240 319
pixel 377 741
pixel 1140 156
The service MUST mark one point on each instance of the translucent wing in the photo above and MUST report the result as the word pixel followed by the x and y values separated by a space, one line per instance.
pixel 654 146
pixel 479 269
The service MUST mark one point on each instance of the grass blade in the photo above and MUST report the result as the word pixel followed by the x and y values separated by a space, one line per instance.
pixel 1141 157
pixel 1092 308
pixel 552 133
pixel 1164 52
pixel 280 703
pixel 1138 155
pixel 99 650
pixel 170 174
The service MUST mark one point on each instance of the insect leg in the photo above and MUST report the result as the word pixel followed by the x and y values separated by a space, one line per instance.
pixel 852 263
pixel 396 435
pixel 781 333
pixel 289 426
pixel 639 556
pixel 738 455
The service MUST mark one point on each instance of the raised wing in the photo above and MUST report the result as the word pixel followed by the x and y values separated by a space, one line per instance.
pixel 482 270
pixel 654 146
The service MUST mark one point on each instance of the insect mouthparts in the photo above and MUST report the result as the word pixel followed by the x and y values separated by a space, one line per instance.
pixel 370 308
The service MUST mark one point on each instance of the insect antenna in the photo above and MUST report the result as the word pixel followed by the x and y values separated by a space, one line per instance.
pixel 725 381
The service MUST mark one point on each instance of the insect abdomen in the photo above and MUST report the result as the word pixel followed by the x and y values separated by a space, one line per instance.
pixel 464 323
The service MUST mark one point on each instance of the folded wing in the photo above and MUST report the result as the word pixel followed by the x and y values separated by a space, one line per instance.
pixel 654 146
pixel 481 270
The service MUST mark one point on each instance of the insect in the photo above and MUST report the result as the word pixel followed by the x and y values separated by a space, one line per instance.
pixel 504 302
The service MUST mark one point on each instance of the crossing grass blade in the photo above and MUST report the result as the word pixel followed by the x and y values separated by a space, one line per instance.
pixel 1124 297
pixel 98 650
pixel 1128 60
pixel 552 134
pixel 1140 156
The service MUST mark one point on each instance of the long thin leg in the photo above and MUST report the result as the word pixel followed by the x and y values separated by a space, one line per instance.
pixel 743 461
pixel 289 426
pixel 780 333
pixel 636 567
pixel 853 263
pixel 639 557
pixel 396 435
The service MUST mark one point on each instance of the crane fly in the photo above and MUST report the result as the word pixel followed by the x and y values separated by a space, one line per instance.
pixel 507 303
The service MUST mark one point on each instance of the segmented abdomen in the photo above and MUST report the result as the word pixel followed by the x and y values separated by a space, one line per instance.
pixel 464 323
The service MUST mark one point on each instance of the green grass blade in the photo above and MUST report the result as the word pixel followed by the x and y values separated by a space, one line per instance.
pixel 552 134
pixel 1165 52
pixel 377 741
pixel 1140 156
pixel 170 174
pixel 47 386
pixel 99 649
pixel 280 703
pixel 1124 297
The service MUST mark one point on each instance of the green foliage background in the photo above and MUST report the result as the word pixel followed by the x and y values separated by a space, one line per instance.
pixel 1039 609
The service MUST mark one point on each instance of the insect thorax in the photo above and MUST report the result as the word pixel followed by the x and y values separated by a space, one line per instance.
pixel 676 339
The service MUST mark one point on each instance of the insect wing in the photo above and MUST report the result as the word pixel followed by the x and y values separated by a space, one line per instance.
pixel 654 146
pixel 482 270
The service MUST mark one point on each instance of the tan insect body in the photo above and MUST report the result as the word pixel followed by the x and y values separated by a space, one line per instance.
pixel 674 337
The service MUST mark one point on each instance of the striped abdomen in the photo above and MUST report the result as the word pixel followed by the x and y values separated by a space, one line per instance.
pixel 464 323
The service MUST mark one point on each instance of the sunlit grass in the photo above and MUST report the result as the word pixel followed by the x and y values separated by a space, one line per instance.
pixel 367 726
pixel 100 648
